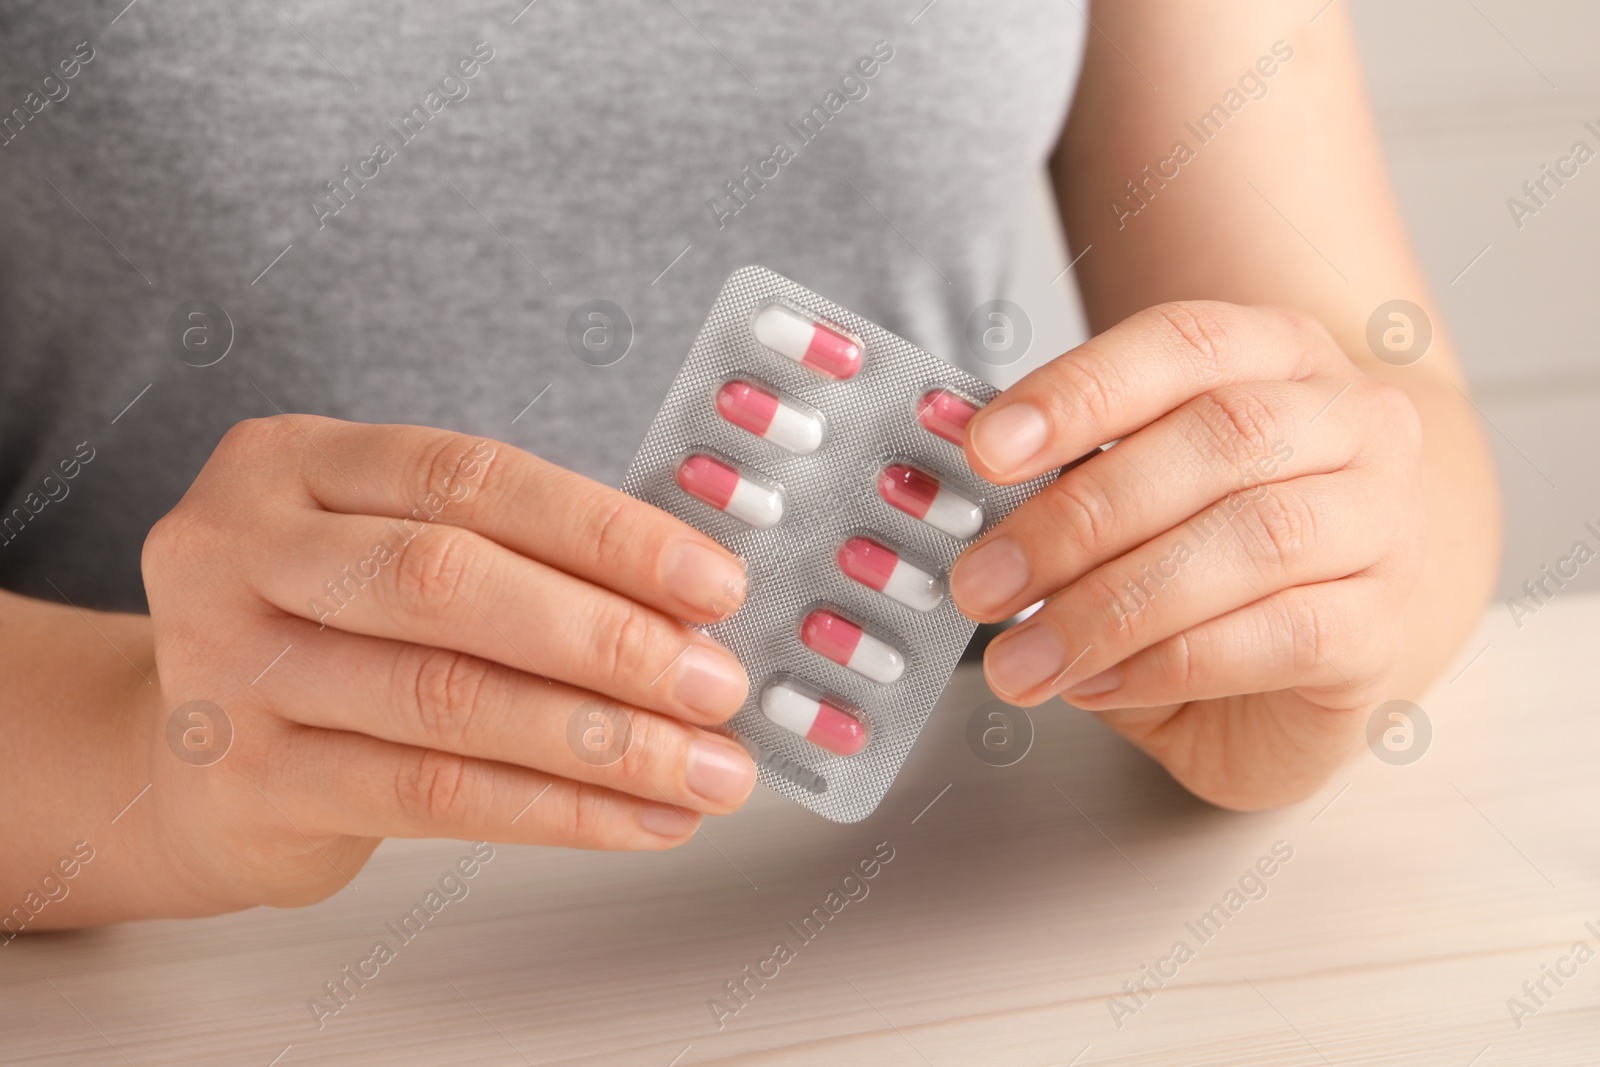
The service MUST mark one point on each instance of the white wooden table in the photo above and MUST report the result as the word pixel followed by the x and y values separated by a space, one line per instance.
pixel 1418 900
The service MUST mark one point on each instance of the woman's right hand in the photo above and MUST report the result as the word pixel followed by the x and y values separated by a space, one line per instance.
pixel 401 625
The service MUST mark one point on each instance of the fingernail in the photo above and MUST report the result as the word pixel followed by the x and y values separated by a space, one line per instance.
pixel 665 821
pixel 709 682
pixel 1102 683
pixel 719 773
pixel 1026 657
pixel 704 579
pixel 989 577
pixel 1006 439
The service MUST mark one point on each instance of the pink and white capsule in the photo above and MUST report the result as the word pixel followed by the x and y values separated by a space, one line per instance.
pixel 880 567
pixel 921 496
pixel 942 412
pixel 752 408
pixel 724 488
pixel 824 725
pixel 807 341
pixel 850 646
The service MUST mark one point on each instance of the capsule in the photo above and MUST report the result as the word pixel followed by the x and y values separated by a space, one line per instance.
pixel 724 488
pixel 807 341
pixel 878 567
pixel 823 724
pixel 848 645
pixel 920 495
pixel 944 413
pixel 752 408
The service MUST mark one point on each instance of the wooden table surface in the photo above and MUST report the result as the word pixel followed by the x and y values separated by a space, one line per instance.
pixel 1418 901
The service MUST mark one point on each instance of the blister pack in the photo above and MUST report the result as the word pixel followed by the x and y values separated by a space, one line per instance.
pixel 825 452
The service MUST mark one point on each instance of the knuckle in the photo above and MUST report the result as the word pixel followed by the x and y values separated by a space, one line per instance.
pixel 1313 632
pixel 269 450
pixel 242 466
pixel 194 542
pixel 431 569
pixel 1091 387
pixel 584 817
pixel 622 641
pixel 1304 324
pixel 1171 666
pixel 641 758
pixel 1184 663
pixel 1235 425
pixel 250 437
pixel 436 466
pixel 250 455
pixel 1313 340
pixel 1121 614
pixel 444 693
pixel 1278 530
pixel 169 538
pixel 431 788
pixel 1201 332
pixel 612 538
pixel 1084 513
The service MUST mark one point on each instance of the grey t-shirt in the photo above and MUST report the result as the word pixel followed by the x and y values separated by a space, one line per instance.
pixel 398 205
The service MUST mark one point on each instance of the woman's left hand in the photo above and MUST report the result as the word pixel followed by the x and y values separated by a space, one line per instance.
pixel 1226 585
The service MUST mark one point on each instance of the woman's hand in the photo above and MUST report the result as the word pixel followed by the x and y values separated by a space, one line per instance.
pixel 1225 586
pixel 402 625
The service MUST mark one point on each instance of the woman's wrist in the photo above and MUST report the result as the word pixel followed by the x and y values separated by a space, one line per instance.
pixel 80 716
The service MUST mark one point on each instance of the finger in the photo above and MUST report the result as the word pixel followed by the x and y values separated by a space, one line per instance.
pixel 451 588
pixel 453 702
pixel 1132 374
pixel 1331 636
pixel 416 475
pixel 1222 442
pixel 1282 535
pixel 328 782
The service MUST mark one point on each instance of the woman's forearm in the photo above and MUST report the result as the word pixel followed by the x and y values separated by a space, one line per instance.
pixel 1280 197
pixel 76 850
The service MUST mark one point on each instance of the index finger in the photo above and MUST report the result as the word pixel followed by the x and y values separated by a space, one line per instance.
pixel 416 474
pixel 1131 375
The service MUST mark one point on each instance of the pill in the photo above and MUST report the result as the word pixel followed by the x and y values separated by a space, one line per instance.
pixel 946 414
pixel 752 408
pixel 725 489
pixel 850 646
pixel 881 568
pixel 807 341
pixel 920 495
pixel 823 724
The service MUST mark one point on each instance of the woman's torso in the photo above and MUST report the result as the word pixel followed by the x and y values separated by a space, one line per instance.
pixel 578 163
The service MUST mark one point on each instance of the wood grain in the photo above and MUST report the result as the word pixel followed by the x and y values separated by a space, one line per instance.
pixel 1418 899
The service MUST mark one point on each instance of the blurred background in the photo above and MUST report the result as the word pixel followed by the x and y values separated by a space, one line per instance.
pixel 1472 97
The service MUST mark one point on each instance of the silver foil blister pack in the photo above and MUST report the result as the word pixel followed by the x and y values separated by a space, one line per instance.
pixel 789 456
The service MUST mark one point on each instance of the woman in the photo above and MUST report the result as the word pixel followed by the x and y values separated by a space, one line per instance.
pixel 223 223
